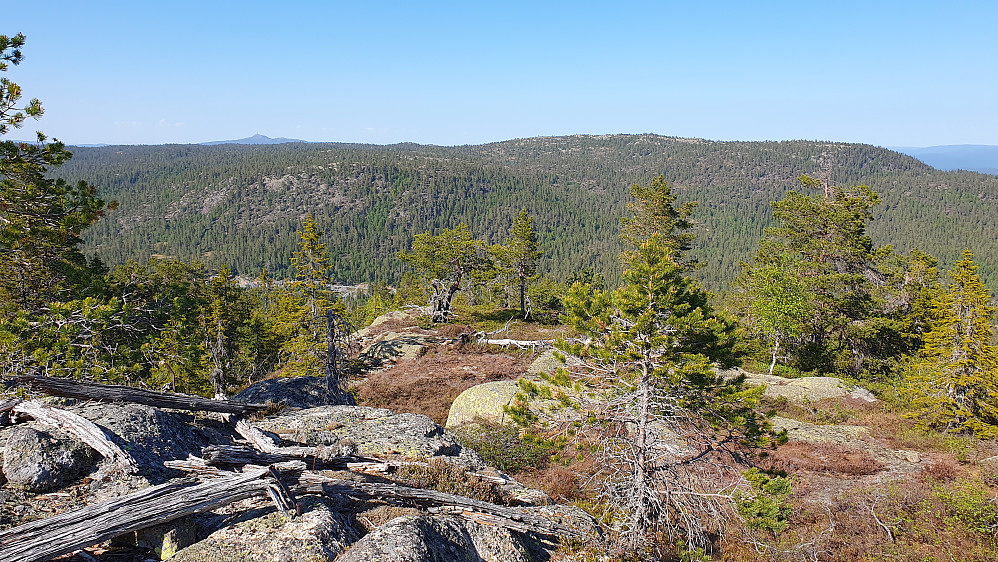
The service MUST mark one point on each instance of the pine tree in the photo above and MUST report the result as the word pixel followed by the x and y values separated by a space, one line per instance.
pixel 819 252
pixel 657 414
pixel 445 260
pixel 653 210
pixel 520 254
pixel 954 381
pixel 41 218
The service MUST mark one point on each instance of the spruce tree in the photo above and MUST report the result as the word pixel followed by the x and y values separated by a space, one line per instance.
pixel 954 380
pixel 304 305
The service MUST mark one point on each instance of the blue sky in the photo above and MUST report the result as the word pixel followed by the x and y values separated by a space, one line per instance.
pixel 887 73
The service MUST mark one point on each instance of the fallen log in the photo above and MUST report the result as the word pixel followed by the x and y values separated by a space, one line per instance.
pixel 68 388
pixel 521 344
pixel 316 458
pixel 469 508
pixel 73 530
pixel 81 428
pixel 305 482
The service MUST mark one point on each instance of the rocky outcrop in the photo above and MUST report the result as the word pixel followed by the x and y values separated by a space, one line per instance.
pixel 370 431
pixel 318 534
pixel 803 389
pixel 326 526
pixel 293 392
pixel 484 401
pixel 548 362
pixel 153 436
pixel 433 538
pixel 39 461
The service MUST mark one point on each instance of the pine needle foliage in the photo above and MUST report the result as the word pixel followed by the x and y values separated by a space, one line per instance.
pixel 663 425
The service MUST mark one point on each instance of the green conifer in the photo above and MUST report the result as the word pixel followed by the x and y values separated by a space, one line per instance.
pixel 953 382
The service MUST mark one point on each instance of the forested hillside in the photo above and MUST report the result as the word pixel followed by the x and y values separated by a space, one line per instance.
pixel 239 205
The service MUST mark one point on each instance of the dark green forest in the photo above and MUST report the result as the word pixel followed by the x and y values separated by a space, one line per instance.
pixel 239 205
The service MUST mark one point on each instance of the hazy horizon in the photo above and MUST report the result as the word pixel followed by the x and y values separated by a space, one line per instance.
pixel 911 74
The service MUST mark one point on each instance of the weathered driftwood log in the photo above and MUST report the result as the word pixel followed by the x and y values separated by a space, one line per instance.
pixel 508 517
pixel 316 458
pixel 111 392
pixel 521 344
pixel 264 443
pixel 306 482
pixel 81 428
pixel 72 530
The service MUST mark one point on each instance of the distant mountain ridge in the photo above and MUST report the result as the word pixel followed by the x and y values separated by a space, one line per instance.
pixel 972 157
pixel 255 139
pixel 240 205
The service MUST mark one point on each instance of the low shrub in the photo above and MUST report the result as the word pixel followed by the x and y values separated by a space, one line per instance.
pixel 449 478
pixel 507 448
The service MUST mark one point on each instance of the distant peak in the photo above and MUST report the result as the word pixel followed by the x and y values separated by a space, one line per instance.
pixel 255 139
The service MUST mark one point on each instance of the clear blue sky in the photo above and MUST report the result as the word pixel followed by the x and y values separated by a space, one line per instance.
pixel 881 72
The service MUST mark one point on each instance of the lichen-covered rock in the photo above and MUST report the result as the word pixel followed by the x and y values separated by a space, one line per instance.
pixel 152 436
pixel 803 389
pixel 483 401
pixel 548 363
pixel 399 315
pixel 811 433
pixel 489 401
pixel 293 392
pixel 436 538
pixel 391 347
pixel 319 534
pixel 39 461
pixel 372 431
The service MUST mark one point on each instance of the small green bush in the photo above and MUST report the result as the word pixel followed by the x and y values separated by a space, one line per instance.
pixel 503 446
pixel 968 502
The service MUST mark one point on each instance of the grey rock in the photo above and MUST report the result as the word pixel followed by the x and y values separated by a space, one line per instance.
pixel 293 392
pixel 374 431
pixel 436 538
pixel 152 436
pixel 319 534
pixel 547 363
pixel 803 389
pixel 487 401
pixel 391 347
pixel 38 461
pixel 483 401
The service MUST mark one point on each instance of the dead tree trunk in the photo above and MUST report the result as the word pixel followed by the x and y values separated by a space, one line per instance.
pixel 81 428
pixel 314 458
pixel 72 530
pixel 508 517
pixel 92 391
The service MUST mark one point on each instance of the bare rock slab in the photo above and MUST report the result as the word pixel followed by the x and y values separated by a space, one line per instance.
pixel 433 538
pixel 370 431
pixel 803 389
pixel 318 535
pixel 293 392
pixel 38 461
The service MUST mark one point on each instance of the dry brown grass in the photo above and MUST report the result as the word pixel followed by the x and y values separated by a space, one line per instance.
pixel 822 457
pixel 429 384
